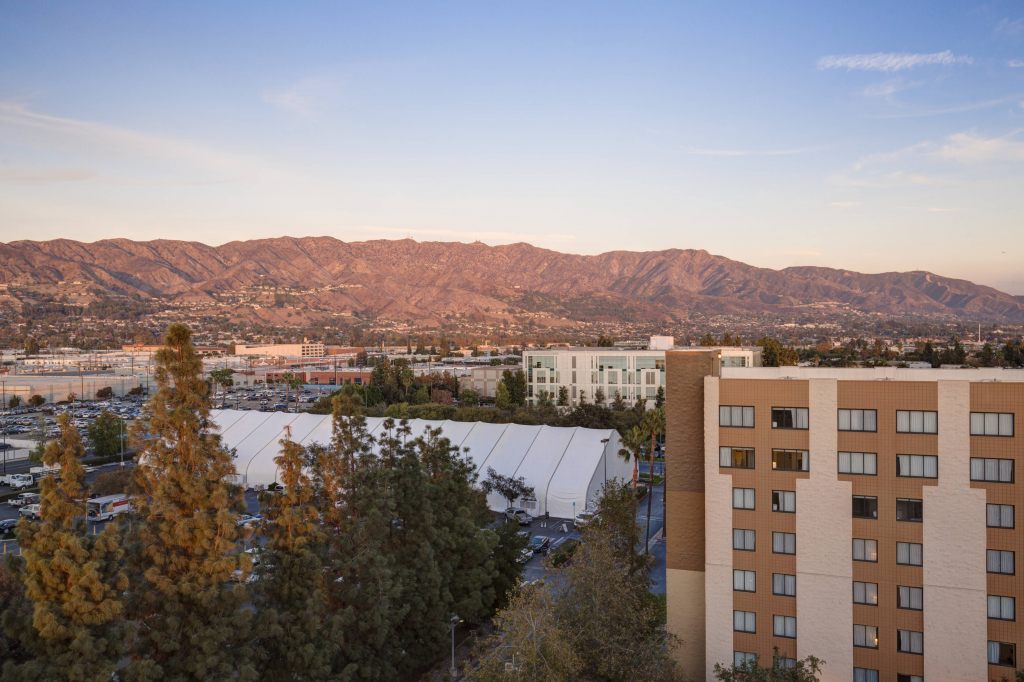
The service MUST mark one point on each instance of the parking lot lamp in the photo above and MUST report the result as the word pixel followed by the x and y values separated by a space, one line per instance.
pixel 454 622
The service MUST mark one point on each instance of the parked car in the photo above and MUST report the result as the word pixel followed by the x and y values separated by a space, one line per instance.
pixel 525 555
pixel 23 499
pixel 518 515
pixel 584 519
pixel 7 527
pixel 539 544
pixel 30 511
pixel 18 481
pixel 249 520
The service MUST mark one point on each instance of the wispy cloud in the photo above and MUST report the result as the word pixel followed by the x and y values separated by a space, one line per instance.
pixel 953 109
pixel 102 143
pixel 844 204
pixel 305 98
pixel 890 62
pixel 1016 63
pixel 1010 27
pixel 742 153
pixel 972 148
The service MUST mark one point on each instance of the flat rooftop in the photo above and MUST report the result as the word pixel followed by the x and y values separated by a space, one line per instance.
pixel 875 373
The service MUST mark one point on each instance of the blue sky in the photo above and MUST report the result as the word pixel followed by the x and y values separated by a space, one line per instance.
pixel 869 136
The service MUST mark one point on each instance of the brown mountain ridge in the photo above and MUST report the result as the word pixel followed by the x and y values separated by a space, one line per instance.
pixel 410 280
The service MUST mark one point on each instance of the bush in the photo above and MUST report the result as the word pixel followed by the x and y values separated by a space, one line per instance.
pixel 563 554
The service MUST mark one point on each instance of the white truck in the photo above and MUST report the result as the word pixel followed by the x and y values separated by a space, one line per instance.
pixel 17 481
pixel 107 507
pixel 45 470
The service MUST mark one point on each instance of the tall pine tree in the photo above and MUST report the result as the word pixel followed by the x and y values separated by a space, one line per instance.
pixel 190 624
pixel 75 581
pixel 294 638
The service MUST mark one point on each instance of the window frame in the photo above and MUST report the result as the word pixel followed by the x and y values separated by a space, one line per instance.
pixel 743 502
pixel 865 636
pixel 1013 653
pixel 732 452
pixel 853 507
pixel 910 422
pixel 1000 509
pixel 912 501
pixel 1000 606
pixel 743 416
pixel 866 588
pixel 913 636
pixel 911 590
pixel 999 424
pixel 910 553
pixel 863 463
pixel 1002 553
pixel 785 538
pixel 797 411
pixel 849 418
pixel 747 617
pixel 910 461
pixel 864 546
pixel 786 622
pixel 779 498
pixel 805 459
pixel 999 462
pixel 747 577
pixel 753 534
pixel 866 675
pixel 787 580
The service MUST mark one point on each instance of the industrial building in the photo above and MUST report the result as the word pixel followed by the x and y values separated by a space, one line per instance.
pixel 863 516
pixel 566 466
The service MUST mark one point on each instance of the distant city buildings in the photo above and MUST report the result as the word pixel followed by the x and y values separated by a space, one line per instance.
pixel 588 373
pixel 868 517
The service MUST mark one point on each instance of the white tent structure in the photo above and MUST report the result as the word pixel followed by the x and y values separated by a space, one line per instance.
pixel 565 465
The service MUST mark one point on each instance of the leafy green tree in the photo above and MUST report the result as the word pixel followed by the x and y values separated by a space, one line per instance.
pixel 509 487
pixel 295 639
pixel 774 354
pixel 75 581
pixel 31 346
pixel 469 398
pixel 515 383
pixel 191 624
pixel 502 400
pixel 987 357
pixel 806 670
pixel 14 402
pixel 105 393
pixel 36 400
pixel 223 377
pixel 599 396
pixel 563 396
pixel 108 434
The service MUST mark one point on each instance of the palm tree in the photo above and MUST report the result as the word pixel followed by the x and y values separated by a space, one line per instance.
pixel 653 425
pixel 633 442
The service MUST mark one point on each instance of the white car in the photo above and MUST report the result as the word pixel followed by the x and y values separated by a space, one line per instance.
pixel 30 511
pixel 584 519
pixel 249 520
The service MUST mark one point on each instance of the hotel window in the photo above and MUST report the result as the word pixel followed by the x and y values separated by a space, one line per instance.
pixel 865 550
pixel 865 636
pixel 858 420
pixel 999 515
pixel 900 677
pixel 732 415
pixel 1002 653
pixel 783 543
pixel 741 659
pixel 743 539
pixel 865 593
pixel 784 501
pixel 742 498
pixel 784 626
pixel 999 561
pixel 909 553
pixel 736 458
pixel 991 423
pixel 917 421
pixel 790 460
pixel 784 584
pixel 789 417
pixel 991 470
pixel 783 662
pixel 917 466
pixel 744 621
pixel 1001 608
pixel 910 641
pixel 909 510
pixel 865 507
pixel 744 581
pixel 858 463
pixel 865 675
pixel 911 598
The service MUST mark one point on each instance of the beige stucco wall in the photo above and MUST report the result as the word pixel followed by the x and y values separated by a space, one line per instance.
pixel 717 540
pixel 823 532
pixel 955 616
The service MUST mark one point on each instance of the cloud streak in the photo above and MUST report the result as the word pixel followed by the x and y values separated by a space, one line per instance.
pixel 890 62
pixel 746 153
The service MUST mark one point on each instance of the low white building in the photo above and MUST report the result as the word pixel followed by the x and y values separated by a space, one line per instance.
pixel 567 466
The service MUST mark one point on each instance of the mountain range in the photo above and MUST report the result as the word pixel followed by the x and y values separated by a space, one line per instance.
pixel 430 281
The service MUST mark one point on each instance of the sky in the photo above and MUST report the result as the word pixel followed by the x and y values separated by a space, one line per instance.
pixel 871 136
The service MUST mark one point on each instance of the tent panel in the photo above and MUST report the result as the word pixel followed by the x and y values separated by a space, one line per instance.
pixel 569 490
pixel 540 463
pixel 507 455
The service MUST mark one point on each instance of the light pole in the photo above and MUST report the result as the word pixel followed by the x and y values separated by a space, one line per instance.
pixel 454 623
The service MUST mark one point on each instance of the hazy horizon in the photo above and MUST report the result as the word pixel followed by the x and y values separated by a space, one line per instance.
pixel 871 138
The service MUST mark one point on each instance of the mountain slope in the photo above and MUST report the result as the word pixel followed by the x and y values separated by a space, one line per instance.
pixel 409 280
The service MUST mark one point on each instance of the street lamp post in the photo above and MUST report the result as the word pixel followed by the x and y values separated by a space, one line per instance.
pixel 454 622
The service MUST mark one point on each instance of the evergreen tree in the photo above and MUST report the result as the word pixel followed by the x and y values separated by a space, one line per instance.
pixel 190 621
pixel 19 641
pixel 501 397
pixel 107 434
pixel 563 396
pixel 75 581
pixel 295 641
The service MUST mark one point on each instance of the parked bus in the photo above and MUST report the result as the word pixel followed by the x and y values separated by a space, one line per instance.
pixel 103 508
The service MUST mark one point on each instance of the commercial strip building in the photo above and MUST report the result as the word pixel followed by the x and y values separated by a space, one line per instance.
pixel 629 373
pixel 566 466
pixel 868 517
